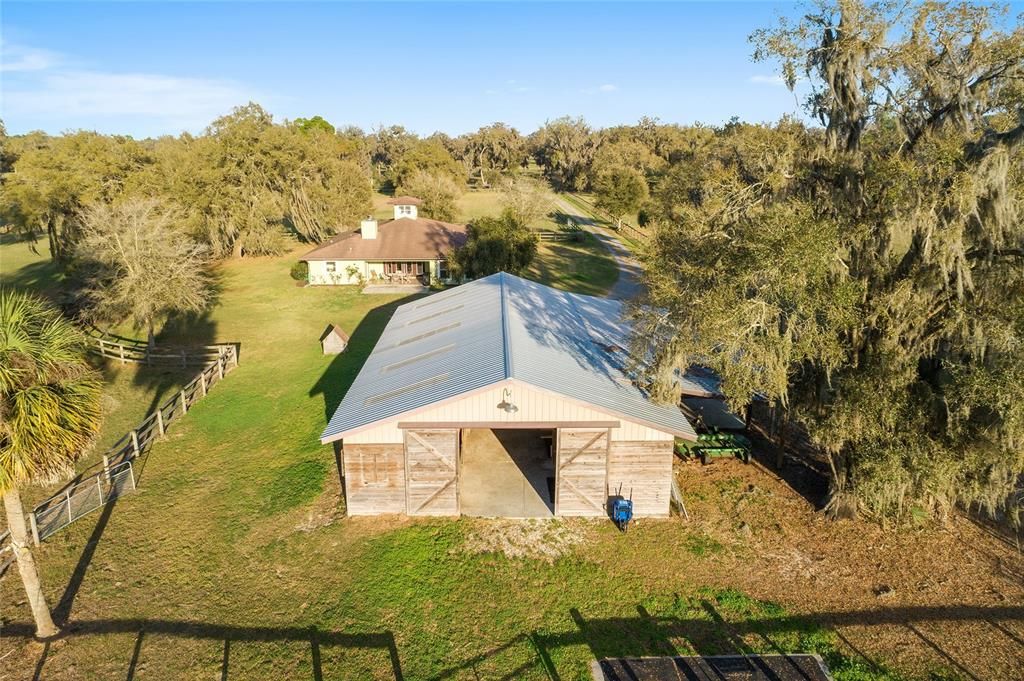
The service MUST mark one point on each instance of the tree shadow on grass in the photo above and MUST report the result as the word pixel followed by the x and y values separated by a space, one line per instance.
pixel 703 630
pixel 382 641
pixel 709 633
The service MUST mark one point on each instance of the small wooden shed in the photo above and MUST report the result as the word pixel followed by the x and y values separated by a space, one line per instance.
pixel 334 340
pixel 504 398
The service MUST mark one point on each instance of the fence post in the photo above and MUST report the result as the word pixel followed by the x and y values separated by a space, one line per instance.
pixel 183 363
pixel 131 472
pixel 106 467
pixel 202 381
pixel 220 366
pixel 234 355
pixel 67 500
pixel 34 526
pixel 99 488
pixel 121 348
pixel 184 403
pixel 135 442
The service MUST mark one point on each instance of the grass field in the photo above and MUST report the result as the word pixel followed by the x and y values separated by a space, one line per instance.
pixel 583 266
pixel 234 559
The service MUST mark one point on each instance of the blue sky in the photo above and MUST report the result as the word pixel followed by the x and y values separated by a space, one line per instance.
pixel 150 68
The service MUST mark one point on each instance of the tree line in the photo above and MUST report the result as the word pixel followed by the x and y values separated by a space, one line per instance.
pixel 247 182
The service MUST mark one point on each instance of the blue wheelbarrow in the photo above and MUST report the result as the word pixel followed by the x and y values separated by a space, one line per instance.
pixel 622 511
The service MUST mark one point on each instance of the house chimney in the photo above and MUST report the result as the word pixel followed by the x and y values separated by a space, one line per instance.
pixel 368 228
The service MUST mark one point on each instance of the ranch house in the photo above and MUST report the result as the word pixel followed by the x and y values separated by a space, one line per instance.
pixel 407 250
pixel 504 398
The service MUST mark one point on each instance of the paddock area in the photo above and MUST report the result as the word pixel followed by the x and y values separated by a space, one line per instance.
pixel 507 473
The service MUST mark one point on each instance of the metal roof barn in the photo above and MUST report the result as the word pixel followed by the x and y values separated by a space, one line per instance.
pixel 430 417
pixel 497 328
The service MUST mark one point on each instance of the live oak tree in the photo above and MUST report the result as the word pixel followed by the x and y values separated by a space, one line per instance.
pixel 55 177
pixel 325 192
pixel 140 267
pixel 564 148
pixel 318 123
pixel 494 245
pixel 437 192
pixel 388 145
pixel 426 156
pixel 493 150
pixel 868 276
pixel 620 191
pixel 241 186
pixel 49 414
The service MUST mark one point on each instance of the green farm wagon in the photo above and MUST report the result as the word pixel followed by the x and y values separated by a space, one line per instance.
pixel 715 444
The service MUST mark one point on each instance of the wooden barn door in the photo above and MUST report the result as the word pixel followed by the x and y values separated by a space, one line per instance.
pixel 581 478
pixel 432 471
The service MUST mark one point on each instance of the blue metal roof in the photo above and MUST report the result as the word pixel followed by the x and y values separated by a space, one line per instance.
pixel 493 329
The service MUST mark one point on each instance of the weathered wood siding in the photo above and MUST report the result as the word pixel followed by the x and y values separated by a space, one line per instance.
pixel 645 469
pixel 374 478
pixel 582 478
pixel 432 464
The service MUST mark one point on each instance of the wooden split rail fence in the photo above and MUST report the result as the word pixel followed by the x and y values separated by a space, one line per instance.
pixel 573 235
pixel 115 475
pixel 135 351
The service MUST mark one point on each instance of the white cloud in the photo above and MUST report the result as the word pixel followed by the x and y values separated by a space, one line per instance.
pixel 766 80
pixel 606 88
pixel 16 58
pixel 42 87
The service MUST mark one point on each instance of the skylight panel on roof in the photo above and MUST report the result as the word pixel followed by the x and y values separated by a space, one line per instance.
pixel 434 300
pixel 383 397
pixel 426 334
pixel 418 358
pixel 435 314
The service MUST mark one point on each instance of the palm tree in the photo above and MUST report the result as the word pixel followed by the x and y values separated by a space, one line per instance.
pixel 49 414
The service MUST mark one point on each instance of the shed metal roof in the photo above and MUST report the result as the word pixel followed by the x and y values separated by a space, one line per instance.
pixel 497 328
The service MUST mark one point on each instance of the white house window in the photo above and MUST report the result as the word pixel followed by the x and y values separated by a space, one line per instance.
pixel 405 210
pixel 442 270
pixel 331 266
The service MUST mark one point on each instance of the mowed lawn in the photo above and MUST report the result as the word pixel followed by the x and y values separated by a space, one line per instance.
pixel 235 560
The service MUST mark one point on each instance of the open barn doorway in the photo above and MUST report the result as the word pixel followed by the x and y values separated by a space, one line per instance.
pixel 507 473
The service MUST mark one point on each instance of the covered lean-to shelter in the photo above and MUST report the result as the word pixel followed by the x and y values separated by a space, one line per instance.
pixel 504 397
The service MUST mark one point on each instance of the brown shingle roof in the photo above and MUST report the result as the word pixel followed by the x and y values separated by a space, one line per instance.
pixel 404 201
pixel 404 239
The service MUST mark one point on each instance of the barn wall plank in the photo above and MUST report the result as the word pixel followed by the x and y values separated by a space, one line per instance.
pixel 374 478
pixel 645 470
